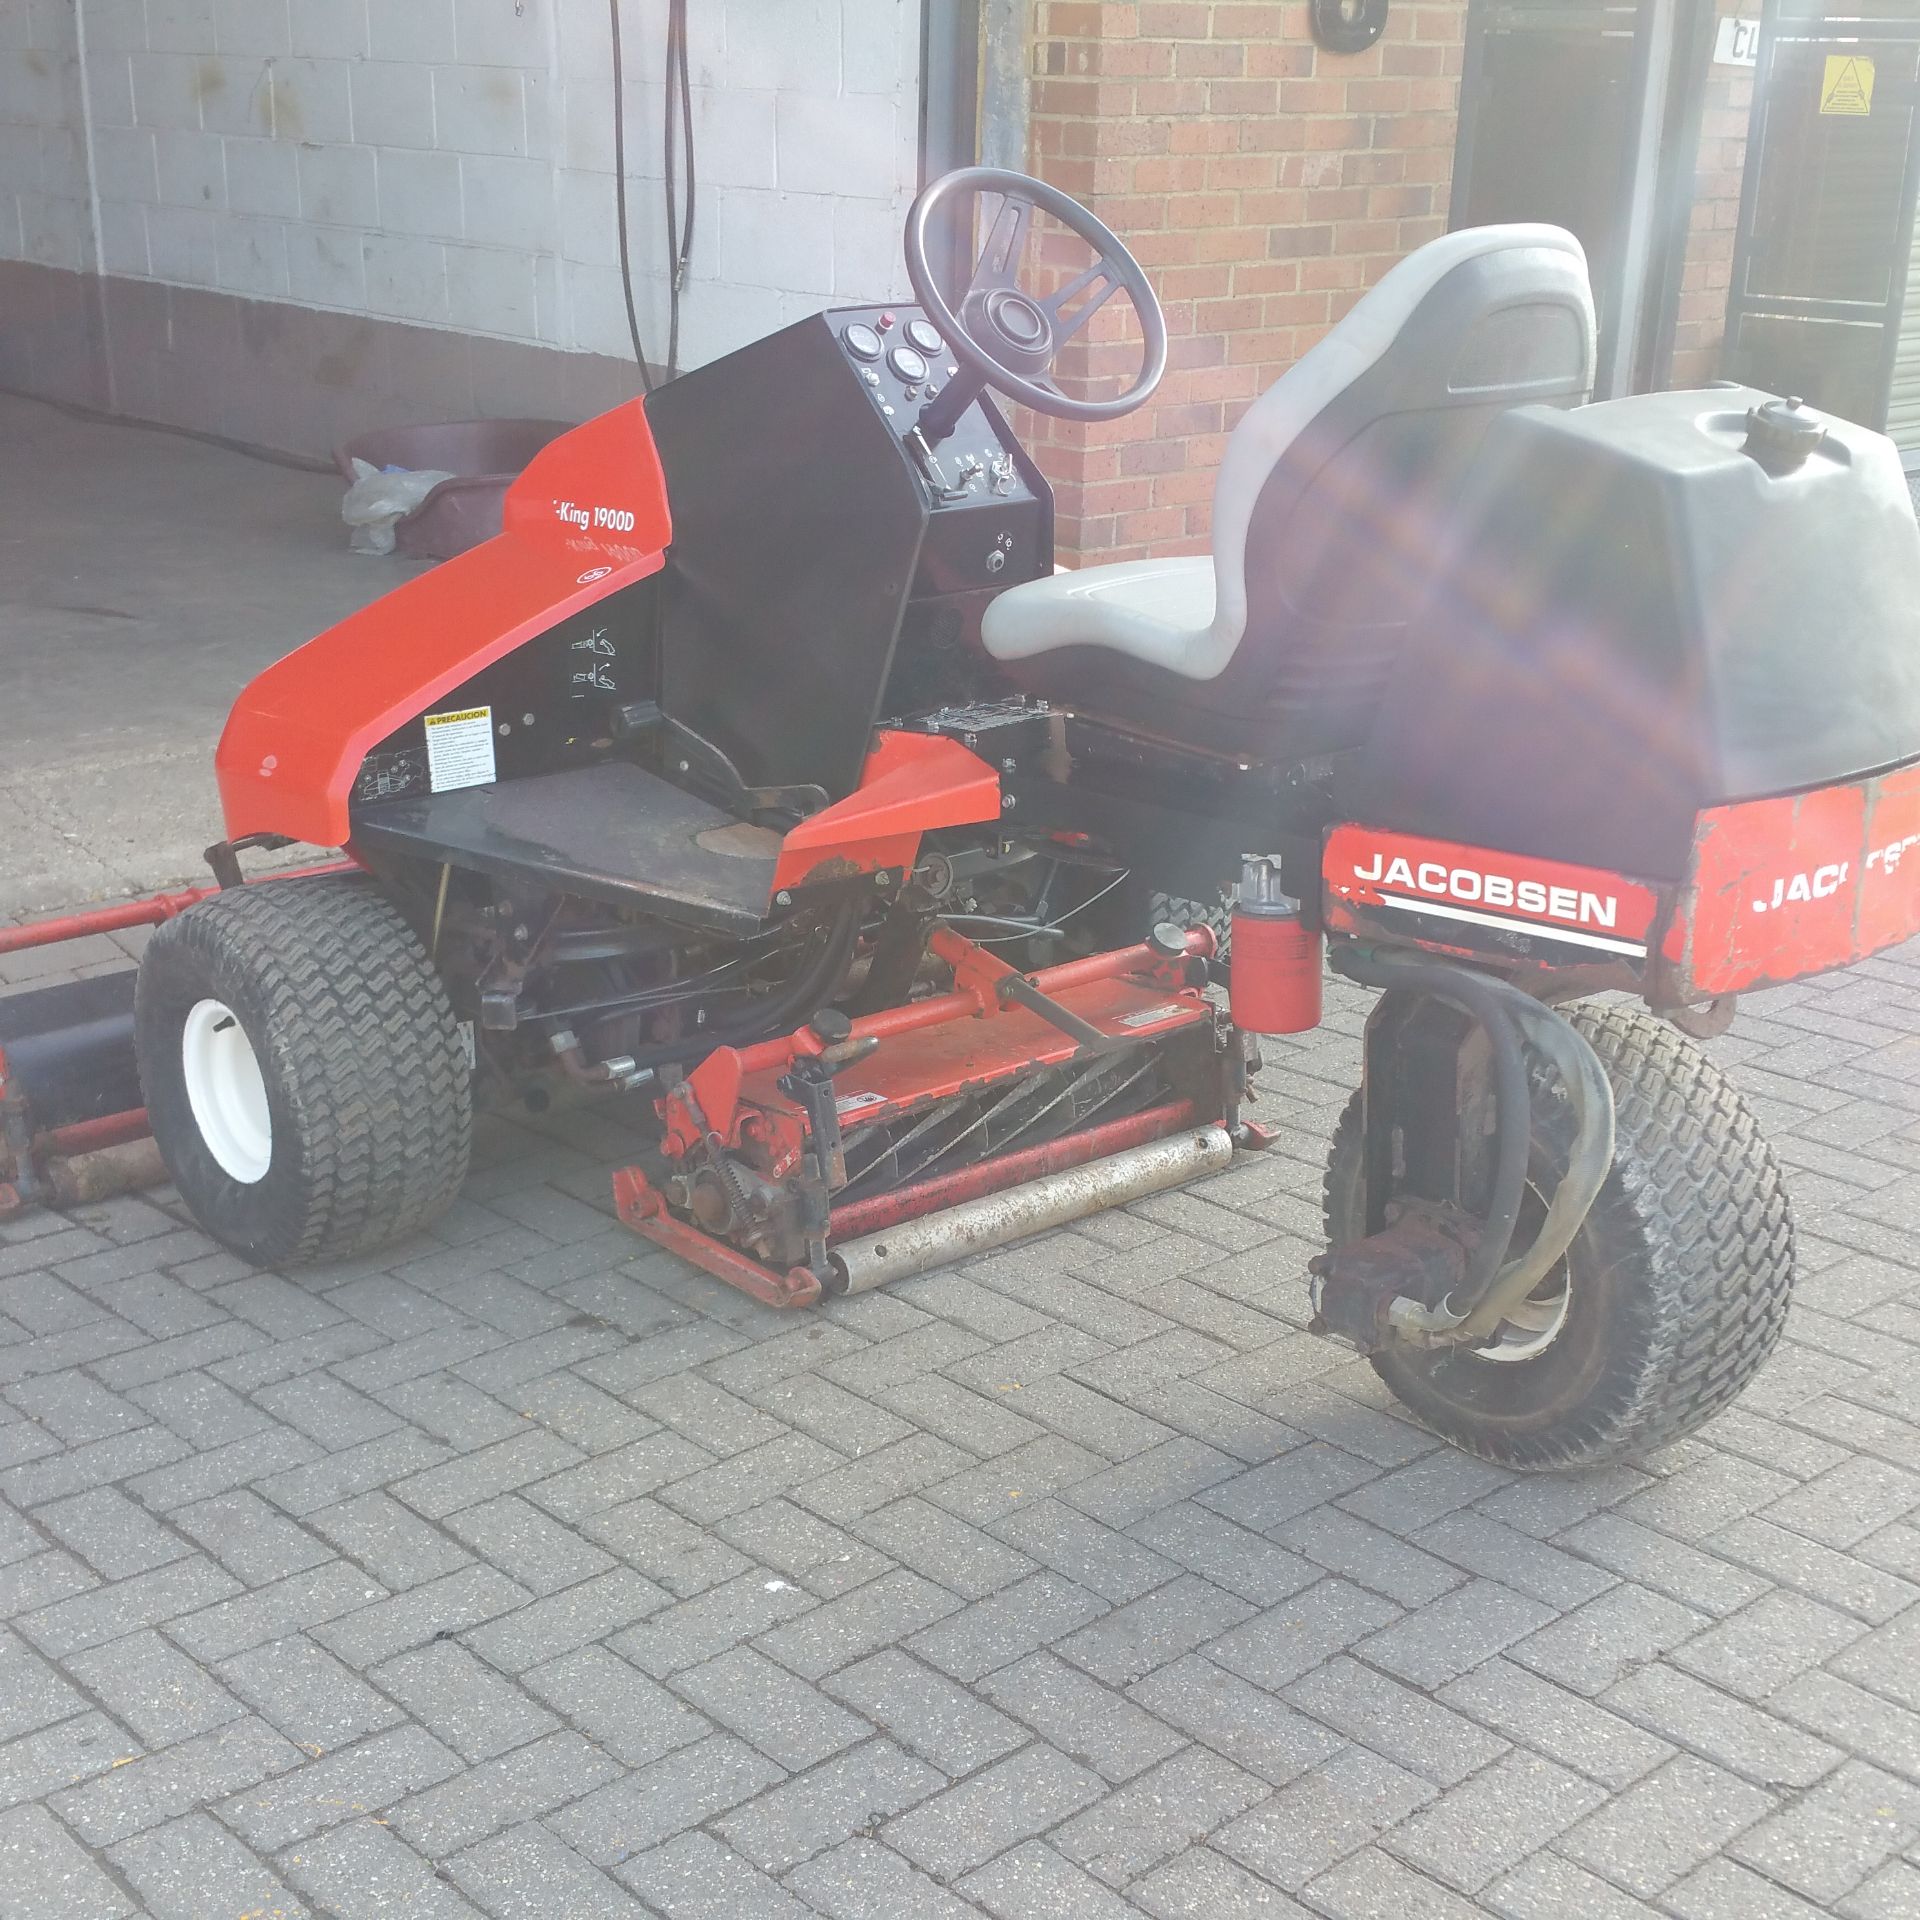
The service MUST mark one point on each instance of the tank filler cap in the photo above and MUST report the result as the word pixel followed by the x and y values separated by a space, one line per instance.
pixel 1782 433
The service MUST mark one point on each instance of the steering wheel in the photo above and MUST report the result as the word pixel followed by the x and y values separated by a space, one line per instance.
pixel 1008 338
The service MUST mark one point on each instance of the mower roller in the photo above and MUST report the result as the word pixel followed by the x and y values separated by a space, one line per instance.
pixel 765 781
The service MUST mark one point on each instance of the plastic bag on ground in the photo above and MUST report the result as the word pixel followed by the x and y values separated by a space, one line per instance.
pixel 378 498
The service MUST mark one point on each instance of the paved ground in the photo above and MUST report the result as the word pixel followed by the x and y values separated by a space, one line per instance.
pixel 144 579
pixel 526 1572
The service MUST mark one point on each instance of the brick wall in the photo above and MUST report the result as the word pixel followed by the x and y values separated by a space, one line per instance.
pixel 449 162
pixel 1264 184
pixel 1708 271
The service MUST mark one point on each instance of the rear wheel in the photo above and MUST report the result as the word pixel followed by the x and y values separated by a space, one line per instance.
pixel 1217 914
pixel 303 1070
pixel 1671 1295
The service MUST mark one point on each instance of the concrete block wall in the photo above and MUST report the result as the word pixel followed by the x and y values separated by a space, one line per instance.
pixel 450 162
pixel 409 204
pixel 45 214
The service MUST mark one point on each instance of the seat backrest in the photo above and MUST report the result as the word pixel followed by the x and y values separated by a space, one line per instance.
pixel 1334 487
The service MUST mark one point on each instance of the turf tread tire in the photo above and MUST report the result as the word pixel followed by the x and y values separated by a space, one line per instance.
pixel 366 1072
pixel 1694 1232
pixel 1217 914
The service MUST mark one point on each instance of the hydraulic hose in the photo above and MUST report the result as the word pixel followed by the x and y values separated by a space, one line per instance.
pixel 1489 1293
pixel 820 973
pixel 1588 1162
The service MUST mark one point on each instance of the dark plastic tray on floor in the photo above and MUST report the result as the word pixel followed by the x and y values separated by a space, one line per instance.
pixel 484 457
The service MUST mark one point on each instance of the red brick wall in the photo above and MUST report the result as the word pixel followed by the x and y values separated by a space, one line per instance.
pixel 1708 271
pixel 1263 183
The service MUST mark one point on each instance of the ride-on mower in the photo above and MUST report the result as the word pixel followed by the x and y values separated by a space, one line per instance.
pixel 765 773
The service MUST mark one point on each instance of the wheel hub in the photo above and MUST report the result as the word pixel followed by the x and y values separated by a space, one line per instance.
pixel 226 1092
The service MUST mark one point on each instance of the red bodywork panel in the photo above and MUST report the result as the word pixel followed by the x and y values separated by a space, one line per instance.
pixel 1783 888
pixel 587 517
pixel 1776 889
pixel 1377 880
pixel 911 783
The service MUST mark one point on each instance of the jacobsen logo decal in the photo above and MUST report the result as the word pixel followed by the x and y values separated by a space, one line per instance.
pixel 1581 905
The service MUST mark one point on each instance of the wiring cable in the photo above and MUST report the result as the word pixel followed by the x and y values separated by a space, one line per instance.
pixel 620 197
pixel 681 182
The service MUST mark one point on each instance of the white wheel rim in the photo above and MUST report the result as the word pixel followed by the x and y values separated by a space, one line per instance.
pixel 226 1092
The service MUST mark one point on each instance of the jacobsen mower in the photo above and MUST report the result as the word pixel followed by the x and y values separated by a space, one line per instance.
pixel 764 771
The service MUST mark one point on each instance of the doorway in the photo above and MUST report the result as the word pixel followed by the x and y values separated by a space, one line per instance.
pixel 1824 250
pixel 1565 114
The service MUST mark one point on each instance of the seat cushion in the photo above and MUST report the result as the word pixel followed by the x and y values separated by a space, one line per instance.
pixel 1336 477
pixel 1159 612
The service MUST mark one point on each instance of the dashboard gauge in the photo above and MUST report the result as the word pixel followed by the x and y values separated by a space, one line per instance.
pixel 862 342
pixel 921 334
pixel 907 364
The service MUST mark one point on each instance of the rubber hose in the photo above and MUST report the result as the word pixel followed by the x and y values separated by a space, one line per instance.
pixel 1476 996
pixel 1588 1162
pixel 806 994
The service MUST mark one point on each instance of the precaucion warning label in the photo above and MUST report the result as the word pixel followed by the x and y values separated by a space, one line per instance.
pixel 1847 85
pixel 459 749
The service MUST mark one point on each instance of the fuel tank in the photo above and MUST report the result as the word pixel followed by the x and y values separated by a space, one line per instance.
pixel 1645 609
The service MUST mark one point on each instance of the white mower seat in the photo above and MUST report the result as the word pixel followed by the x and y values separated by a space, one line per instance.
pixel 1329 497
pixel 1159 611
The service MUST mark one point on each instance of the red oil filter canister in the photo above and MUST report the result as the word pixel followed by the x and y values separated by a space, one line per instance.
pixel 1277 963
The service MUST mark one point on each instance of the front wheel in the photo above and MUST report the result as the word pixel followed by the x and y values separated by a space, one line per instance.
pixel 303 1070
pixel 1671 1295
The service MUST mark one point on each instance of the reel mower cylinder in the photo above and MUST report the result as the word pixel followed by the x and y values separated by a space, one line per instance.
pixel 1277 960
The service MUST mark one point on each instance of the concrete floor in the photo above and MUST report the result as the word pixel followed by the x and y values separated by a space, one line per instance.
pixel 144 578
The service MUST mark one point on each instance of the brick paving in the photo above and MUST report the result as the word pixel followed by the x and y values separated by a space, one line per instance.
pixel 524 1571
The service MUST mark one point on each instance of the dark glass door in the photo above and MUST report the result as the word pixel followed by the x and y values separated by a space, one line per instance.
pixel 1827 202
pixel 1557 97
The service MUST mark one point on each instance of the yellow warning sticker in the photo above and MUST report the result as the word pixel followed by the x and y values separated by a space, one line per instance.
pixel 1847 86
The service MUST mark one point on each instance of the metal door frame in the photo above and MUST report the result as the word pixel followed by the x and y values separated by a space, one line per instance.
pixel 1637 187
pixel 1799 29
pixel 949 113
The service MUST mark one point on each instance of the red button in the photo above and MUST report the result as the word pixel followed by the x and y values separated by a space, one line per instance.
pixel 886 321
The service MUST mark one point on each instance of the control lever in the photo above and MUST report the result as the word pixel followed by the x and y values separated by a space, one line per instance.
pixel 941 415
pixel 929 464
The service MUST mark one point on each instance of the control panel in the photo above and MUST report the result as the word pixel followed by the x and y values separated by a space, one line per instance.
pixel 903 363
pixel 989 527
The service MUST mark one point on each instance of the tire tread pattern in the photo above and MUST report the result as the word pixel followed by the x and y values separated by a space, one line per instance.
pixel 365 1045
pixel 1696 1203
